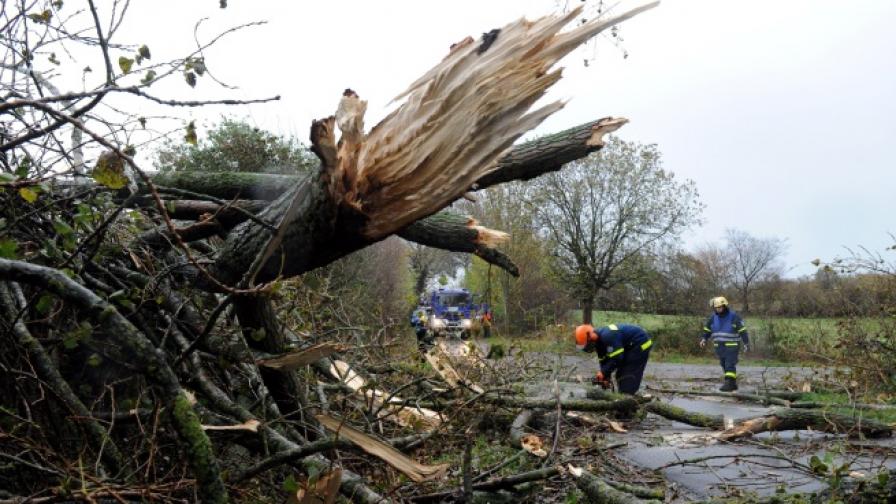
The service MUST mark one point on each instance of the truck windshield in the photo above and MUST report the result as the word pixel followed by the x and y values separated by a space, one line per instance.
pixel 454 299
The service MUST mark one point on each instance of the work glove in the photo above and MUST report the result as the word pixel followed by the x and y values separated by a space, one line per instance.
pixel 702 342
pixel 746 348
pixel 600 380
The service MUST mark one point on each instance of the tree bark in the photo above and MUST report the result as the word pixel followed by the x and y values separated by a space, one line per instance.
pixel 797 419
pixel 587 308
pixel 681 415
pixel 627 404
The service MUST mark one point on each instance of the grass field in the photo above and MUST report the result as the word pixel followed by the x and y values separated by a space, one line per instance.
pixel 773 340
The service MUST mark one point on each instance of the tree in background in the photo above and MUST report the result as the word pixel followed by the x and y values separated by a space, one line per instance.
pixel 524 303
pixel 605 212
pixel 427 262
pixel 235 145
pixel 752 260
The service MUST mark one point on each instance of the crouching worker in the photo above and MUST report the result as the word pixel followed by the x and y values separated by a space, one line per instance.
pixel 622 349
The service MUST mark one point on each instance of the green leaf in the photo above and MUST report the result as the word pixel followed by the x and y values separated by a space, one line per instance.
pixel 94 360
pixel 125 64
pixel 42 18
pixel 63 228
pixel 28 194
pixel 8 248
pixel 142 121
pixel 109 171
pixel 52 59
pixel 45 304
pixel 143 51
pixel 290 485
pixel 883 478
pixel 57 4
pixel 199 66
pixel 258 334
pixel 190 136
pixel 148 78
pixel 23 167
pixel 191 78
pixel 817 466
pixel 129 150
pixel 74 337
pixel 7 177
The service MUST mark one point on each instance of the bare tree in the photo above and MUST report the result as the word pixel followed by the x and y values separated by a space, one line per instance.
pixel 607 211
pixel 752 260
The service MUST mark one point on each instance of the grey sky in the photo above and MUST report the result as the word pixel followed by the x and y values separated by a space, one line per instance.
pixel 781 112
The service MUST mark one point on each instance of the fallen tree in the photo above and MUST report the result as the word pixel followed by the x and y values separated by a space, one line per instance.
pixel 137 309
pixel 782 419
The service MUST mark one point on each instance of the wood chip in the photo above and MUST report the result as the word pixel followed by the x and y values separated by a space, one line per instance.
pixel 412 469
pixel 250 425
pixel 300 358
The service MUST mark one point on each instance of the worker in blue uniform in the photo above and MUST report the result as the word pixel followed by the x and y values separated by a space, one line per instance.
pixel 728 333
pixel 622 349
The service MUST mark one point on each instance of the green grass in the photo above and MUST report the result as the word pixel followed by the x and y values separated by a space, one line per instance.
pixel 776 338
pixel 835 399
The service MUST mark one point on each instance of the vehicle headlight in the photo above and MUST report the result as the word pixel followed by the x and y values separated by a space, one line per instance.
pixel 438 323
pixel 466 323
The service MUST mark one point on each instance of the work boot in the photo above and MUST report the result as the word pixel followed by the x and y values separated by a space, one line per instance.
pixel 730 385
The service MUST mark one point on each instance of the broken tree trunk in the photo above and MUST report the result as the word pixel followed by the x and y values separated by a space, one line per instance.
pixel 798 419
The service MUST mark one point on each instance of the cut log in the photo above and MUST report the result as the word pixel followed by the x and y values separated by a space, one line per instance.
pixel 410 468
pixel 798 419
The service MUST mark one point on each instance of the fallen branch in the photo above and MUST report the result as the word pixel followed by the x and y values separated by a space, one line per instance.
pixel 627 404
pixel 677 414
pixel 395 410
pixel 761 399
pixel 796 419
pixel 414 470
pixel 598 491
pixel 494 484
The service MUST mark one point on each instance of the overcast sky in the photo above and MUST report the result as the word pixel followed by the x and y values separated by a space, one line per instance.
pixel 780 111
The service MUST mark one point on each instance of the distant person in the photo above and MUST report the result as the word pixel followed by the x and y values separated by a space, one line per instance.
pixel 486 323
pixel 727 331
pixel 418 322
pixel 622 349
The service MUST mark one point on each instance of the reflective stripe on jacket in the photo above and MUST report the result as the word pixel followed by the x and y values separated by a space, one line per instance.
pixel 726 328
pixel 615 340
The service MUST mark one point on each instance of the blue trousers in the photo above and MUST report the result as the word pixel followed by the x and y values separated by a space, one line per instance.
pixel 727 351
pixel 631 371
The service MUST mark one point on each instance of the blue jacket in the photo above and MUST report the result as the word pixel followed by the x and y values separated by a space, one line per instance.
pixel 726 328
pixel 617 339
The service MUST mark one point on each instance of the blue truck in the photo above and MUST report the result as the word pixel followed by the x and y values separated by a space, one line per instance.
pixel 453 313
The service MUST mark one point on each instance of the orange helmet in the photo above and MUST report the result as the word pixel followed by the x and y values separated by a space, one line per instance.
pixel 584 334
